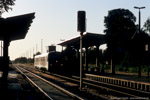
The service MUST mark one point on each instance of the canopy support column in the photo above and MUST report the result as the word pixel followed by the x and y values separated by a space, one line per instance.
pixel 97 58
pixel 86 59
pixel 5 59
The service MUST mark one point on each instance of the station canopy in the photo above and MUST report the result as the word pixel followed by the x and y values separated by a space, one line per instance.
pixel 15 28
pixel 88 39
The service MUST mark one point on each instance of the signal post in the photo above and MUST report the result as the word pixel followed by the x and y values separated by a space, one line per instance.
pixel 81 28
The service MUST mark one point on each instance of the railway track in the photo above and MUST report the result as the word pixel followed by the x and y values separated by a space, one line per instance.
pixel 107 91
pixel 117 90
pixel 110 90
pixel 46 88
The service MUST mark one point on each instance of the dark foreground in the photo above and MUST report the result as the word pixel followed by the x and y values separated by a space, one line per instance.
pixel 17 88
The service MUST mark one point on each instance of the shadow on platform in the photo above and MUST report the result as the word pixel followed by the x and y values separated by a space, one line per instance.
pixel 16 88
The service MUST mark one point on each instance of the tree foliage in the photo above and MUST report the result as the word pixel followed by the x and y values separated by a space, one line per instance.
pixel 20 60
pixel 38 53
pixel 146 26
pixel 120 27
pixel 5 5
pixel 126 45
pixel 23 60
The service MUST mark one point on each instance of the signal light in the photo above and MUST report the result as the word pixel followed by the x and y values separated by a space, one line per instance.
pixel 81 21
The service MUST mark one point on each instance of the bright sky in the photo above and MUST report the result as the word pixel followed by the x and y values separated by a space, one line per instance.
pixel 57 19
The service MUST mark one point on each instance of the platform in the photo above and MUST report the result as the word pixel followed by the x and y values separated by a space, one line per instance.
pixel 16 88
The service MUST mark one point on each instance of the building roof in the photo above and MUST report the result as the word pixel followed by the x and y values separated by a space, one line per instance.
pixel 88 39
pixel 16 27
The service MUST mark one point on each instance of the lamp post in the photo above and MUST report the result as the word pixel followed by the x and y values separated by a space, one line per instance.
pixel 139 16
pixel 139 67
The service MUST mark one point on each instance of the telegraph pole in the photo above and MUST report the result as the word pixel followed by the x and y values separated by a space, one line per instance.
pixel 41 46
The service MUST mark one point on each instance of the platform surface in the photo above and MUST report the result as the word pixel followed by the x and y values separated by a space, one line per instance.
pixel 16 88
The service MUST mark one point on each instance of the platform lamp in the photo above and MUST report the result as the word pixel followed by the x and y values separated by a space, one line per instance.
pixel 139 70
pixel 139 16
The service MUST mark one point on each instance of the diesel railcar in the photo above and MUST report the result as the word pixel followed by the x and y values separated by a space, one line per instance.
pixel 48 61
pixel 65 62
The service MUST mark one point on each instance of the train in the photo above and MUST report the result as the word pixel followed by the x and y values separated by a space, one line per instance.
pixel 47 61
pixel 57 62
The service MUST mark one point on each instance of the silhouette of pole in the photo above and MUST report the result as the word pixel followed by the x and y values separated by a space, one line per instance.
pixel 5 59
pixel 139 68
pixel 36 48
pixel 139 16
pixel 41 46
pixel 81 69
pixel 81 28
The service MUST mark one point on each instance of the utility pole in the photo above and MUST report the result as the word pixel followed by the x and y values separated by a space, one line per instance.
pixel 33 52
pixel 41 46
pixel 36 48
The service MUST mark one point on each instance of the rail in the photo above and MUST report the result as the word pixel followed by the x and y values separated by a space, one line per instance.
pixel 54 85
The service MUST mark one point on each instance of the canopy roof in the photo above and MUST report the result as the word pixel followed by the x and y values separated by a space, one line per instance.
pixel 88 39
pixel 16 27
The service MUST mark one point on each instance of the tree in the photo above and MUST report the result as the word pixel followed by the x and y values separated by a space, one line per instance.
pixel 38 53
pixel 20 60
pixel 120 27
pixel 146 26
pixel 5 5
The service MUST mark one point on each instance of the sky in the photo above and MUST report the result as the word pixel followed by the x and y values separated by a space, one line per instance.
pixel 56 20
